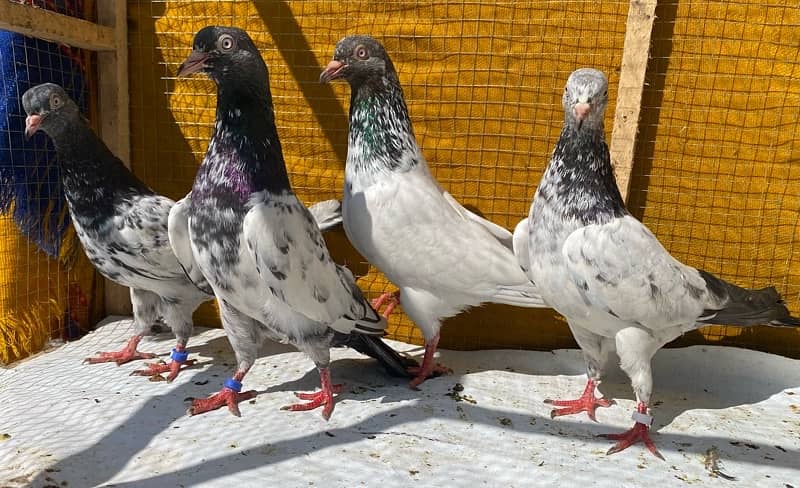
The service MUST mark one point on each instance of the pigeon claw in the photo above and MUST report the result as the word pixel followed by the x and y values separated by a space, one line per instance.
pixel 224 397
pixel 173 368
pixel 586 403
pixel 639 432
pixel 422 373
pixel 390 299
pixel 119 357
pixel 570 407
pixel 313 400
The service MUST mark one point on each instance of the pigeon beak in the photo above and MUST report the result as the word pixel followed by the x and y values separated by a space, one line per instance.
pixel 32 123
pixel 581 111
pixel 194 63
pixel 332 71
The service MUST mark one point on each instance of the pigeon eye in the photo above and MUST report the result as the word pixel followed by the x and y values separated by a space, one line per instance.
pixel 226 42
pixel 56 101
pixel 362 53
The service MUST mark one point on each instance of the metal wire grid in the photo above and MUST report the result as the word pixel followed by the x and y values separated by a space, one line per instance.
pixel 37 288
pixel 716 174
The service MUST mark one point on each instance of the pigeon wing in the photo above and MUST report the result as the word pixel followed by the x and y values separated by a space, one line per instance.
pixel 178 230
pixel 293 261
pixel 139 240
pixel 620 267
pixel 520 244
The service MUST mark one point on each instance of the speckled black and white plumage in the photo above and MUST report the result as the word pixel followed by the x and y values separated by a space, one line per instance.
pixel 605 271
pixel 121 223
pixel 442 257
pixel 253 240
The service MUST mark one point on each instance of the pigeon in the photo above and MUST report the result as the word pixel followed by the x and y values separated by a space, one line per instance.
pixel 442 257
pixel 256 244
pixel 123 227
pixel 608 274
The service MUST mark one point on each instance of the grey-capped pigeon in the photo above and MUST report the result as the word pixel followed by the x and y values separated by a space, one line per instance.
pixel 442 257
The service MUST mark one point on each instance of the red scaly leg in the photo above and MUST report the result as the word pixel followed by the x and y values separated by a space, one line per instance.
pixel 319 398
pixel 391 299
pixel 229 395
pixel 639 432
pixel 428 368
pixel 179 358
pixel 128 353
pixel 586 403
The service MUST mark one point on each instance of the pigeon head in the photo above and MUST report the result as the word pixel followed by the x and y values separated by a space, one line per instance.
pixel 358 59
pixel 49 109
pixel 227 55
pixel 585 99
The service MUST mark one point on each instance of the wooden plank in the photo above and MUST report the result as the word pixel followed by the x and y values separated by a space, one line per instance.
pixel 639 28
pixel 113 113
pixel 56 27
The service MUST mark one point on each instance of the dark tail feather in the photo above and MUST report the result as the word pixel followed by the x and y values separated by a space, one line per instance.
pixel 374 347
pixel 747 307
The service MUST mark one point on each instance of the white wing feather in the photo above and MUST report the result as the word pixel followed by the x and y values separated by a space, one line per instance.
pixel 621 267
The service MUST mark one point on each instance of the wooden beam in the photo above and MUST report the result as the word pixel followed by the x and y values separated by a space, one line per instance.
pixel 52 26
pixel 639 28
pixel 113 113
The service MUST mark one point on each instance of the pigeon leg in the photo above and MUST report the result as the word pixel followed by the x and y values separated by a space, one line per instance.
pixel 390 299
pixel 179 358
pixel 639 432
pixel 319 398
pixel 428 368
pixel 128 353
pixel 586 403
pixel 229 395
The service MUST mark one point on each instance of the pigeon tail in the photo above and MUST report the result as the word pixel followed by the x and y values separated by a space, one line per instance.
pixel 374 347
pixel 525 295
pixel 743 307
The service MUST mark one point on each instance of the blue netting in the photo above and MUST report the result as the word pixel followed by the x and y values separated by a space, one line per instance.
pixel 29 174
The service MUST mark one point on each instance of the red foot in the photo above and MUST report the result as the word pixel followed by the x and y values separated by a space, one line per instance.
pixel 428 368
pixel 639 432
pixel 319 398
pixel 129 353
pixel 391 299
pixel 586 403
pixel 226 396
pixel 173 367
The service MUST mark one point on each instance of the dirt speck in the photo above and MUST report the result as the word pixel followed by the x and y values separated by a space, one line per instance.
pixel 413 472
pixel 455 394
pixel 504 421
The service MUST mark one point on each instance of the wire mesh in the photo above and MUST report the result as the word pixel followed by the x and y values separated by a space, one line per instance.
pixel 41 297
pixel 483 82
pixel 716 174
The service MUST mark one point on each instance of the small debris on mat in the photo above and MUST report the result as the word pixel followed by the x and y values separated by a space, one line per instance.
pixel 504 421
pixel 712 464
pixel 5 436
pixel 200 382
pixel 455 394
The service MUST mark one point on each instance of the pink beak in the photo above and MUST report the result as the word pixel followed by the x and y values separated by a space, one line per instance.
pixel 32 123
pixel 332 71
pixel 581 111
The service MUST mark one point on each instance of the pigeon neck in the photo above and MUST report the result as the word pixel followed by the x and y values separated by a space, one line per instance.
pixel 581 177
pixel 245 152
pixel 94 179
pixel 381 136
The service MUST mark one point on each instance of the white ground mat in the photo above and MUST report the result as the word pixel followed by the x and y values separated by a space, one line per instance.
pixel 63 423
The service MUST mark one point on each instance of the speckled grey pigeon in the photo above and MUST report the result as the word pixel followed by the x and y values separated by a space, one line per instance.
pixel 256 243
pixel 609 275
pixel 443 258
pixel 123 227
